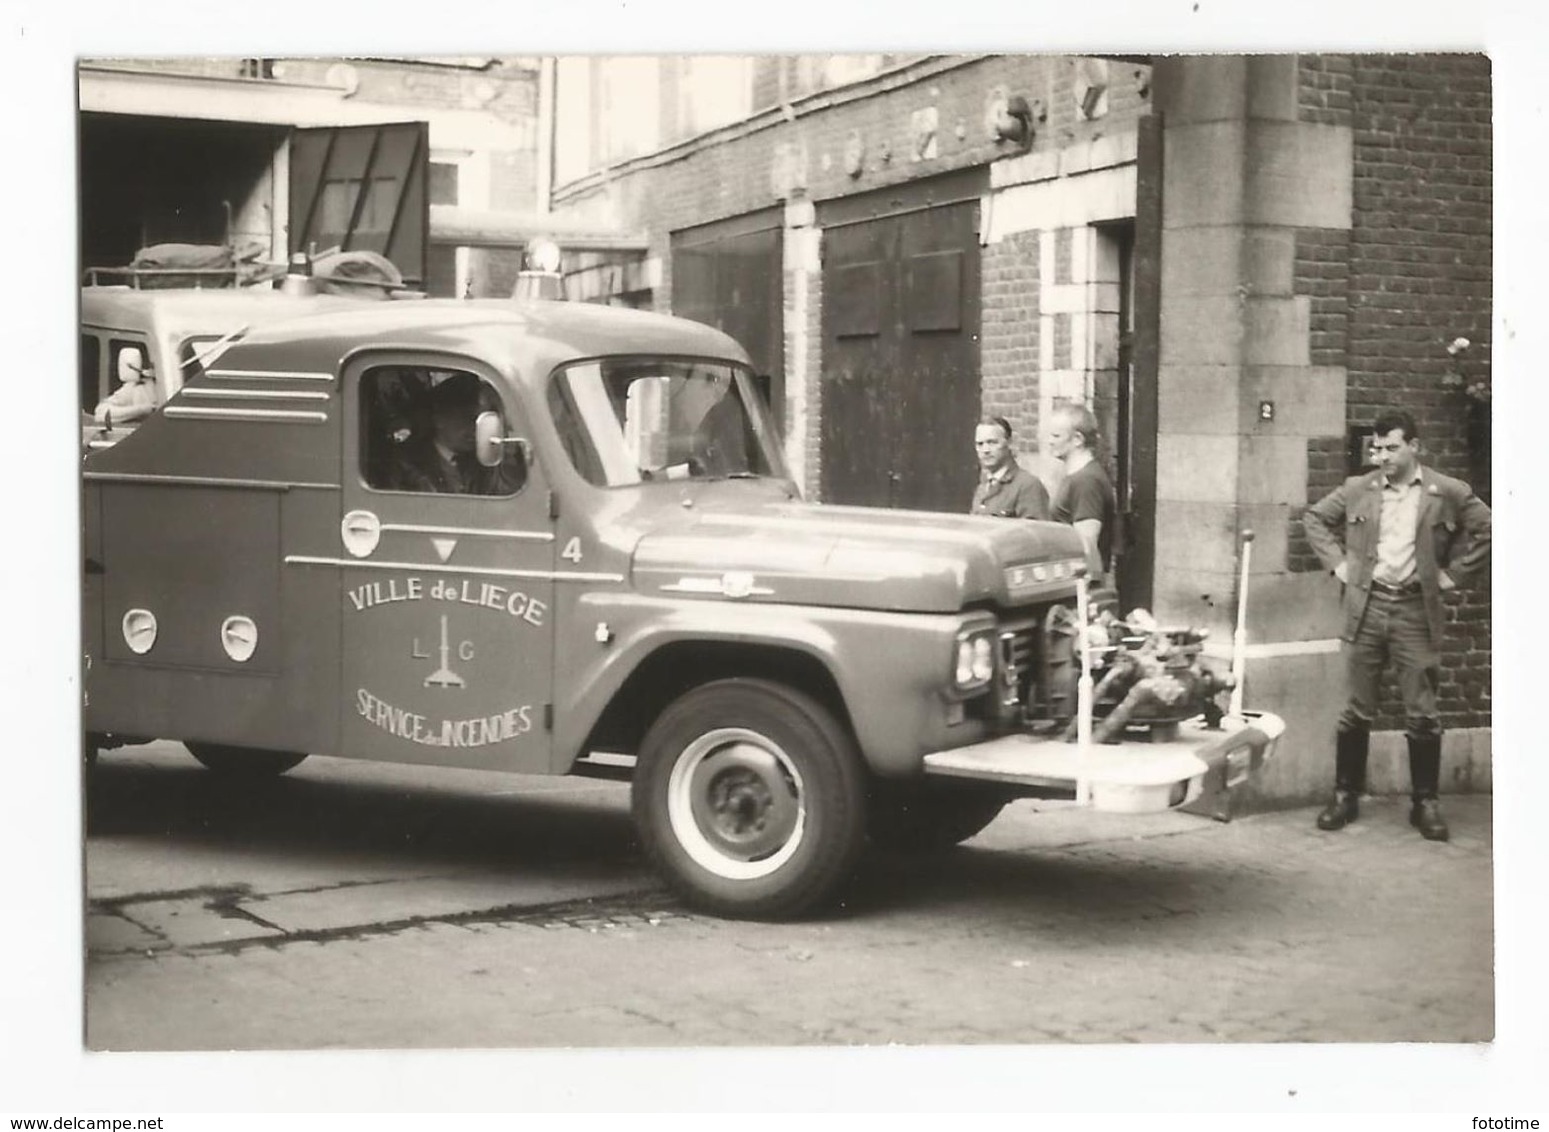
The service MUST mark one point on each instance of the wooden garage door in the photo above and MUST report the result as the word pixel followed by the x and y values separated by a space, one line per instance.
pixel 901 345
pixel 362 188
pixel 730 275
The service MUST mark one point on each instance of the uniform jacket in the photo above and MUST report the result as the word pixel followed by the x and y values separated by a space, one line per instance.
pixel 420 468
pixel 1021 495
pixel 1453 535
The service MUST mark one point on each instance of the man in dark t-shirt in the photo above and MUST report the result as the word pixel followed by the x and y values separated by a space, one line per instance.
pixel 1085 498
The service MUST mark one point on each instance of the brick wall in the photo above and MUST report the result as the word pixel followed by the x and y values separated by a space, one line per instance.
pixel 1421 242
pixel 1008 350
pixel 1326 462
pixel 1063 238
pixel 1063 345
pixel 1324 89
pixel 1414 272
pixel 1321 271
pixel 814 355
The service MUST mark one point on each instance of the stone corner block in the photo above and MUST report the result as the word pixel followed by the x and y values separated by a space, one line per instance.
pixel 1300 174
pixel 1196 469
pixel 1199 399
pixel 1272 469
pixel 1202 177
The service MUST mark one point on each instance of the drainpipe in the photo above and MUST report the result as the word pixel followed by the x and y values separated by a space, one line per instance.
pixel 545 132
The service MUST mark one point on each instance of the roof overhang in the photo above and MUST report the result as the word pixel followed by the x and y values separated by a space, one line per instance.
pixel 463 227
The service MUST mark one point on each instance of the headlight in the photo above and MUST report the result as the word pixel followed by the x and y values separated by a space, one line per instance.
pixel 984 659
pixel 975 660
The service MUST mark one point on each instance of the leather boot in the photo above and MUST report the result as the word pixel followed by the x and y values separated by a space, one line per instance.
pixel 1425 783
pixel 1350 749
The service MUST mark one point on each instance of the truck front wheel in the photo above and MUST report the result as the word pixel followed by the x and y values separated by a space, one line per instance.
pixel 245 762
pixel 749 797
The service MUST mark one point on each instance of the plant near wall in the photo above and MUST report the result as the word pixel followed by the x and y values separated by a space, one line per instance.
pixel 1476 390
pixel 1476 399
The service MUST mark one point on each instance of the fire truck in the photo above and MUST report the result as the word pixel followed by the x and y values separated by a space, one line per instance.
pixel 557 538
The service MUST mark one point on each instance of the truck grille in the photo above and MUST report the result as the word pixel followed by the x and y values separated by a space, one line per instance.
pixel 1018 657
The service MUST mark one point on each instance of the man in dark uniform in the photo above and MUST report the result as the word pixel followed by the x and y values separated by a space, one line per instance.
pixel 1085 498
pixel 445 461
pixel 1398 538
pixel 1005 487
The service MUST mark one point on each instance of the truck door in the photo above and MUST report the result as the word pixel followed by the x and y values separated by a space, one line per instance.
pixel 449 575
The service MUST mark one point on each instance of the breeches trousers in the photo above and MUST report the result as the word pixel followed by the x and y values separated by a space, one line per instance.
pixel 1393 632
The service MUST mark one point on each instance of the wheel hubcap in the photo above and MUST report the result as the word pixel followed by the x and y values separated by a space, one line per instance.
pixel 735 803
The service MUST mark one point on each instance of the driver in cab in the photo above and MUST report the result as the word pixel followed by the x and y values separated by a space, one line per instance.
pixel 444 460
pixel 720 447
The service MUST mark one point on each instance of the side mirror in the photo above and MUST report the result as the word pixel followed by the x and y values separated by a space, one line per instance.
pixel 491 442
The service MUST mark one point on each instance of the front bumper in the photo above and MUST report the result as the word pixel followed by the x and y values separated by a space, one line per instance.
pixel 1201 765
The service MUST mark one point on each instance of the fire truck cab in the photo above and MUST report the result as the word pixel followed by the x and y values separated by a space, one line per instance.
pixel 561 539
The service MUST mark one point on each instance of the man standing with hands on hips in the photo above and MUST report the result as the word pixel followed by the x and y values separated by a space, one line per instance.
pixel 1397 538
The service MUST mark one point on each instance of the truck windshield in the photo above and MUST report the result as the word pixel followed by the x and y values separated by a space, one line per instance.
pixel 630 420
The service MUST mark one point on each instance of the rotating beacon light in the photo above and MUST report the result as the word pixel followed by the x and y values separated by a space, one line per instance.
pixel 540 277
pixel 297 279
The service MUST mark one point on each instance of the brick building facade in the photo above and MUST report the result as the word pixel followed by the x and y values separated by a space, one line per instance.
pixel 1235 260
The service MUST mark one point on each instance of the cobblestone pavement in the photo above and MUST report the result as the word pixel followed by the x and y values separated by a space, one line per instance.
pixel 1049 927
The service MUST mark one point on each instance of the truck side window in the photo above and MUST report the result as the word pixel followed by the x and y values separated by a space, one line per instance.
pixel 417 433
pixel 91 372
